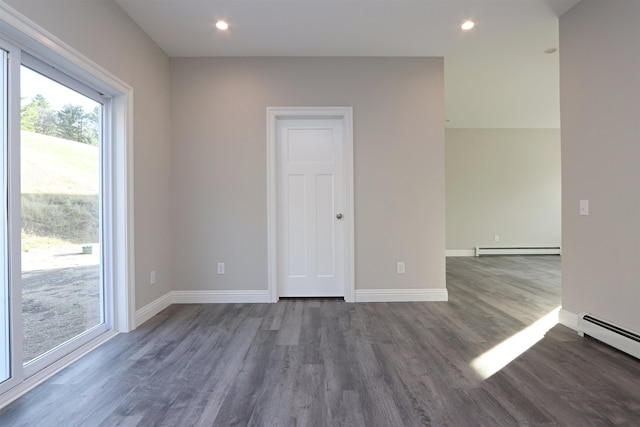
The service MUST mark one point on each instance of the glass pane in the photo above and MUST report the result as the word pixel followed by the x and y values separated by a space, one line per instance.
pixel 5 358
pixel 62 293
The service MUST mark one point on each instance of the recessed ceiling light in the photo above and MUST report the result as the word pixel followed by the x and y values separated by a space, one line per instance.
pixel 222 25
pixel 467 25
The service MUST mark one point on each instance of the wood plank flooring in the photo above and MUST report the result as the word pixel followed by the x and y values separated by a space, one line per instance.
pixel 323 362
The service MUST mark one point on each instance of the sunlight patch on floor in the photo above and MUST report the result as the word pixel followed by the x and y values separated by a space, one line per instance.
pixel 502 354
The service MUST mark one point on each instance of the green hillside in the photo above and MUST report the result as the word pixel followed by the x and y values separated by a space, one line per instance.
pixel 53 165
pixel 59 182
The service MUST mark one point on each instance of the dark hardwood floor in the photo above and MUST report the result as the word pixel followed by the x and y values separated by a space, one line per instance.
pixel 307 362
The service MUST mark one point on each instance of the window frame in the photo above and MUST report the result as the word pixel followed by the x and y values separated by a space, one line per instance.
pixel 5 305
pixel 105 219
pixel 11 254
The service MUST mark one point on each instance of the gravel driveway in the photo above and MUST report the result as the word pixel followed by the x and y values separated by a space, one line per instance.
pixel 60 296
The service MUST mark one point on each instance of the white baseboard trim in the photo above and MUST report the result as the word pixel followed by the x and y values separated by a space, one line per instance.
pixel 199 297
pixel 218 297
pixel 401 295
pixel 568 319
pixel 262 297
pixel 155 307
pixel 523 250
pixel 460 252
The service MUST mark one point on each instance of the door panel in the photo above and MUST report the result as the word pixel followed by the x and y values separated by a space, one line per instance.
pixel 325 218
pixel 297 226
pixel 310 195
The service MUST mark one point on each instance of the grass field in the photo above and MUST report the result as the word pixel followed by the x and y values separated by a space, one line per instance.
pixel 59 182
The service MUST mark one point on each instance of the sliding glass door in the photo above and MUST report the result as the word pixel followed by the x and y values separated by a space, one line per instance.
pixel 61 202
pixel 66 213
pixel 53 297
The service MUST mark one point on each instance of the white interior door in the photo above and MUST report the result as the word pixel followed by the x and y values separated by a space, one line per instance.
pixel 310 203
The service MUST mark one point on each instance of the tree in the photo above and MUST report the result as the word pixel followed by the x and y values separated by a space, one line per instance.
pixel 92 126
pixel 28 115
pixel 38 116
pixel 70 120
pixel 76 125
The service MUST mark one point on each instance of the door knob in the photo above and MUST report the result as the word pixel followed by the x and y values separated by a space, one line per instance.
pixel 339 216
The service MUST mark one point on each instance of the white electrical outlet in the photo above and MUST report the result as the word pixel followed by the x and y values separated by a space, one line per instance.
pixel 584 207
pixel 221 268
pixel 400 267
pixel 152 278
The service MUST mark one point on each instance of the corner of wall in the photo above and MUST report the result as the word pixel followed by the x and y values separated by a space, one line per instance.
pixel 568 319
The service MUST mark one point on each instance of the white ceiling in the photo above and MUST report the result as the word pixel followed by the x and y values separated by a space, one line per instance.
pixel 496 76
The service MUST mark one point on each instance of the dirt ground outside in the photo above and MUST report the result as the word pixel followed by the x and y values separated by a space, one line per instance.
pixel 60 296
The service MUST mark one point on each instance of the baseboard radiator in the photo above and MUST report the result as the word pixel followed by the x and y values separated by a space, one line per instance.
pixel 608 333
pixel 521 250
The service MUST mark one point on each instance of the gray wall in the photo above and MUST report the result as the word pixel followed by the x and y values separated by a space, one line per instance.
pixel 101 31
pixel 219 163
pixel 505 182
pixel 600 109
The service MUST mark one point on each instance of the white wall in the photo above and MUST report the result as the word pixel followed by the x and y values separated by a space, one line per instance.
pixel 600 109
pixel 101 31
pixel 219 162
pixel 505 182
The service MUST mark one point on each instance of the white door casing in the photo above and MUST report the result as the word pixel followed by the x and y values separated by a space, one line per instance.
pixel 310 243
pixel 310 182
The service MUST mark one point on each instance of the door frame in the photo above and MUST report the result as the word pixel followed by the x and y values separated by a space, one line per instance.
pixel 345 114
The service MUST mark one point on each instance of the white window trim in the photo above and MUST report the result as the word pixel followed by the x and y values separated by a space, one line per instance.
pixel 25 34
